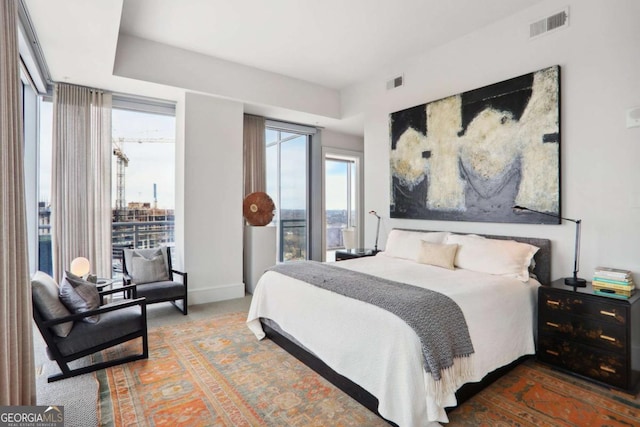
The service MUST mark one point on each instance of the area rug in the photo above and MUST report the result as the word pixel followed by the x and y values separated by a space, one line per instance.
pixel 535 395
pixel 215 372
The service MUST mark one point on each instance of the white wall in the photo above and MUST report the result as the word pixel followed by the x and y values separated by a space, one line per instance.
pixel 151 61
pixel 600 79
pixel 211 220
pixel 342 140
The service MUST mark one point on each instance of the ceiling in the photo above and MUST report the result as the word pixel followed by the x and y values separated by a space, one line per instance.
pixel 332 43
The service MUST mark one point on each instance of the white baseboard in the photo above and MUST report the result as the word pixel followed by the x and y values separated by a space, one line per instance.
pixel 218 293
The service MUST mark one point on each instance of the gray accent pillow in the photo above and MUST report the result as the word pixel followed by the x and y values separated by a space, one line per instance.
pixel 44 291
pixel 79 296
pixel 146 270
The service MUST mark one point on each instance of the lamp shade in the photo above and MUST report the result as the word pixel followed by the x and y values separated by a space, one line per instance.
pixel 80 266
pixel 349 237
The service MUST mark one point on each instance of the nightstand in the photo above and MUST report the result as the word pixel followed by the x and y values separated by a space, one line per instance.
pixel 343 254
pixel 588 335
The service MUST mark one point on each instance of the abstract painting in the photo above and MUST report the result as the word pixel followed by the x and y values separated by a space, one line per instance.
pixel 475 155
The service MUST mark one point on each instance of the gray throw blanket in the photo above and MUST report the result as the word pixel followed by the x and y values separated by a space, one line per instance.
pixel 436 318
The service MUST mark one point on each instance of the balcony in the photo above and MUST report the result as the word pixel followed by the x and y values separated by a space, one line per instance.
pixel 138 235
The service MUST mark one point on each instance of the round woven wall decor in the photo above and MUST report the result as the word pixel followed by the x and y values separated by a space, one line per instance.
pixel 258 208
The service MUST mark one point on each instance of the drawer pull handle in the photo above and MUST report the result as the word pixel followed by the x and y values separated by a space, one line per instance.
pixel 607 369
pixel 553 325
pixel 553 353
pixel 608 313
pixel 608 338
pixel 551 302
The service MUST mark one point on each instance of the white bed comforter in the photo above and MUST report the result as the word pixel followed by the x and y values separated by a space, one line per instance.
pixel 380 352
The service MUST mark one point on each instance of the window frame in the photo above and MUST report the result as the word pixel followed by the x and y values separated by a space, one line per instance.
pixel 296 130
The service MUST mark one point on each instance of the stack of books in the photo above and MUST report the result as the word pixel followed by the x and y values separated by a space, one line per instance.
pixel 613 282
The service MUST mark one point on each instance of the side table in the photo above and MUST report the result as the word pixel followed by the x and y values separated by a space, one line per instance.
pixel 344 254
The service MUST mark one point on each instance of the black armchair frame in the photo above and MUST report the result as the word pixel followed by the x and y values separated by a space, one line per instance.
pixel 132 287
pixel 63 361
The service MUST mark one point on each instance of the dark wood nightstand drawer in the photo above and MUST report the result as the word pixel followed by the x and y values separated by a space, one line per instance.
pixel 607 336
pixel 608 367
pixel 596 308
pixel 591 335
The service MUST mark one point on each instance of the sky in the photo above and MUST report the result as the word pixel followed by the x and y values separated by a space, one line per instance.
pixel 149 163
pixel 293 169
pixel 154 162
pixel 336 185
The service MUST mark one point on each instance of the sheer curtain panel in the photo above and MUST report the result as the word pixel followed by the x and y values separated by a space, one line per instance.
pixel 254 154
pixel 17 372
pixel 81 181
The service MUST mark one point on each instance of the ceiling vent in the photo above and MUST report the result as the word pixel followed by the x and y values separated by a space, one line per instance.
pixel 395 82
pixel 549 24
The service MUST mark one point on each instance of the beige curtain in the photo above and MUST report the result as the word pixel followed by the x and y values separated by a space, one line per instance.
pixel 81 182
pixel 17 372
pixel 254 155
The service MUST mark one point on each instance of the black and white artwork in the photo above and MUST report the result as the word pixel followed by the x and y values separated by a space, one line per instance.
pixel 475 155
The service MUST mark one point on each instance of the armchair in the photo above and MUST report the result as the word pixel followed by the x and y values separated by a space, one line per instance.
pixel 68 337
pixel 148 273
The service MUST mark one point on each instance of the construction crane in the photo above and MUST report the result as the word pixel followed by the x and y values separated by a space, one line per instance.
pixel 123 162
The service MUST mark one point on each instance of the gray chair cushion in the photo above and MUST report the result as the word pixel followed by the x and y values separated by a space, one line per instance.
pixel 112 325
pixel 79 295
pixel 159 291
pixel 44 291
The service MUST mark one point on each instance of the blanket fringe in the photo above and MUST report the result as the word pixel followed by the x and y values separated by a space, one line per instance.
pixel 451 378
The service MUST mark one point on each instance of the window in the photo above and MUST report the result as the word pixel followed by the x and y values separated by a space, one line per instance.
pixel 143 179
pixel 45 125
pixel 287 153
pixel 340 201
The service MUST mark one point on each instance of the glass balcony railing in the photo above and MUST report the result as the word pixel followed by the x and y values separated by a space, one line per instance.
pixel 142 234
pixel 124 235
pixel 293 239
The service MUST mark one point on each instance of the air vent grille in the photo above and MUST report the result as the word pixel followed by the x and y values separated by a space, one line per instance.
pixel 395 82
pixel 551 23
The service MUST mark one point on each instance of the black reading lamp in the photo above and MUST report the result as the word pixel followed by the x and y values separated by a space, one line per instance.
pixel 375 248
pixel 574 281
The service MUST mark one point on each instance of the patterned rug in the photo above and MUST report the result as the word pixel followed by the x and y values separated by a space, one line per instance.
pixel 215 373
pixel 538 396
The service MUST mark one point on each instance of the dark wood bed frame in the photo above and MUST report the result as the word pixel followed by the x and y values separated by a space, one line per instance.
pixel 542 271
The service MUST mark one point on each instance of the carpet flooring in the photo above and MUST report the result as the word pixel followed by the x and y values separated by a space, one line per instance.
pixel 214 372
pixel 79 395
pixel 529 395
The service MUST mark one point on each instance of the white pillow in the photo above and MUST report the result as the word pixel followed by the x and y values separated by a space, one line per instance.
pixel 438 254
pixel 500 257
pixel 408 244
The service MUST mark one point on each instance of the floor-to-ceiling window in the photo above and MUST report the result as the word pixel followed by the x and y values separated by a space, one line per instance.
pixel 287 154
pixel 45 134
pixel 143 177
pixel 342 201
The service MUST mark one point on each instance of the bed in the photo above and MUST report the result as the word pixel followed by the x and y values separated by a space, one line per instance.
pixel 374 355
